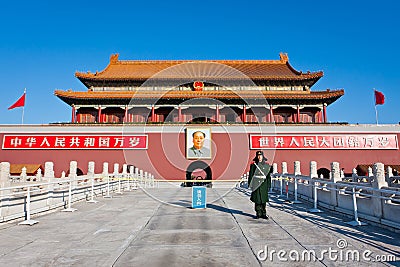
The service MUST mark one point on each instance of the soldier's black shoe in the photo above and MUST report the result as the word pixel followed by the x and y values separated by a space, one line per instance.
pixel 265 217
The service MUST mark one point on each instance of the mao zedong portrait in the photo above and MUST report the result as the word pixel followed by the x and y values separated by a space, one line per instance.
pixel 198 150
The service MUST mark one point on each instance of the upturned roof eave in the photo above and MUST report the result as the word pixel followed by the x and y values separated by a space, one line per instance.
pixel 100 97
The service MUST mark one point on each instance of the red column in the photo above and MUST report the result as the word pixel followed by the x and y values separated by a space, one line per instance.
pixel 271 113
pixel 73 117
pixel 153 117
pixel 217 114
pixel 298 114
pixel 325 119
pixel 126 114
pixel 244 114
pixel 179 114
pixel 99 120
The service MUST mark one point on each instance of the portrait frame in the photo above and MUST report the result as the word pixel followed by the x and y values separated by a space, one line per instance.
pixel 206 149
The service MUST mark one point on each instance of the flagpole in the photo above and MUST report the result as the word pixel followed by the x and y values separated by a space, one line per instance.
pixel 376 110
pixel 23 108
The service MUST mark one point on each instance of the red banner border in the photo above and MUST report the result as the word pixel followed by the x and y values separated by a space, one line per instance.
pixel 321 148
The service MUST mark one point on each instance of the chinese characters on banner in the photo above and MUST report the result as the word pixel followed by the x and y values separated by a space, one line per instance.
pixel 199 197
pixel 75 142
pixel 324 141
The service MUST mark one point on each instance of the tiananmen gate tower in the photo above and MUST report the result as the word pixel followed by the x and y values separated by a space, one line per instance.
pixel 146 113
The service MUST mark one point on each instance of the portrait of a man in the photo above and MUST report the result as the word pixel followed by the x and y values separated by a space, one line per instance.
pixel 198 143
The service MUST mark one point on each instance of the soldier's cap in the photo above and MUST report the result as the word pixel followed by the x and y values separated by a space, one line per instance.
pixel 258 153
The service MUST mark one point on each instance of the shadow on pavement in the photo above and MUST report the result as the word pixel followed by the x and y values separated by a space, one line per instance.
pixel 223 209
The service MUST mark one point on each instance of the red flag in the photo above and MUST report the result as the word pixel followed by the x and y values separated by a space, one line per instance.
pixel 379 98
pixel 20 102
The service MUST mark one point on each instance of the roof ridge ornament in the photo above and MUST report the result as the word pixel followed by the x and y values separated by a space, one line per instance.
pixel 283 57
pixel 114 58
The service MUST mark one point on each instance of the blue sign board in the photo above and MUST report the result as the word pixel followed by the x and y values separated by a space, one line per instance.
pixel 198 197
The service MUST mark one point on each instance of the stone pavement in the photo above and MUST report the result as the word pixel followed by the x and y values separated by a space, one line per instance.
pixel 157 227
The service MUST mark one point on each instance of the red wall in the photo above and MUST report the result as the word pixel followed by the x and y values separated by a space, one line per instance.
pixel 165 156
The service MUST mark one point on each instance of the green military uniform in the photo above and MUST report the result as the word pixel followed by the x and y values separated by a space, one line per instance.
pixel 260 186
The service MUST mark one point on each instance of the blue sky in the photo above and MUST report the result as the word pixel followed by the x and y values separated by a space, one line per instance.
pixel 355 43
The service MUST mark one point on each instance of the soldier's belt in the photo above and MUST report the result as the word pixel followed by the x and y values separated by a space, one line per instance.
pixel 260 177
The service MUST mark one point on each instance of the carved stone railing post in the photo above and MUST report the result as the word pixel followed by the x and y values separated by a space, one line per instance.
pixel 73 183
pixel 297 170
pixel 141 176
pixel 274 168
pixel 48 171
pixel 309 191
pixel 125 169
pixel 335 177
pixel 117 176
pixel 90 173
pixel 23 174
pixel 378 183
pixel 136 176
pixel 49 177
pixel 132 177
pixel 107 177
pixel 116 169
pixel 91 165
pixel 354 176
pixel 4 182
pixel 90 176
pixel 39 175
pixel 125 174
pixel 73 166
pixel 105 170
pixel 284 167
pixel 274 171
pixel 4 174
pixel 313 169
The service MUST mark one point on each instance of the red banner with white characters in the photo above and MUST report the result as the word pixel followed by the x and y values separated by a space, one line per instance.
pixel 324 141
pixel 75 142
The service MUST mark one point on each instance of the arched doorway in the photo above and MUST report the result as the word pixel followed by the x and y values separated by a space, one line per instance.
pixel 325 173
pixel 128 168
pixel 198 170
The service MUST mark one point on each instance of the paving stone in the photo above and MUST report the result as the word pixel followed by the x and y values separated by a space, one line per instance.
pixel 158 227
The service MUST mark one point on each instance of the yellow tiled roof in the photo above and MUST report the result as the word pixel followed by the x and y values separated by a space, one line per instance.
pixel 253 69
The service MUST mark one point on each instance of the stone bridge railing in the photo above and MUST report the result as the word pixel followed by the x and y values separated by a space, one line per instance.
pixel 374 198
pixel 22 196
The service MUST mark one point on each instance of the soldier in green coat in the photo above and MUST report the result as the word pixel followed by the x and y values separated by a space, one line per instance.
pixel 260 182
